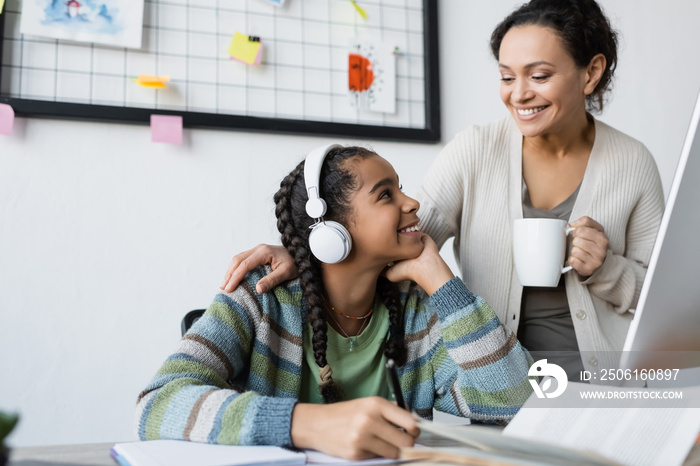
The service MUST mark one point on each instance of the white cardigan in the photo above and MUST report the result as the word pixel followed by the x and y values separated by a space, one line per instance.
pixel 473 192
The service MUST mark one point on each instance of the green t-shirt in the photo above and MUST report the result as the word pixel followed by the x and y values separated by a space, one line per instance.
pixel 359 372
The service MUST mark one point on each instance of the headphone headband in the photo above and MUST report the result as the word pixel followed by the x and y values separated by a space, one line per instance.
pixel 315 206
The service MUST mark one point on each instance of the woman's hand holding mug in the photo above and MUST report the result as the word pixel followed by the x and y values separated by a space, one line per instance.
pixel 589 246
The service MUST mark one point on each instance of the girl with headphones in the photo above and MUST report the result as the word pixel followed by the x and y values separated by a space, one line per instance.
pixel 303 364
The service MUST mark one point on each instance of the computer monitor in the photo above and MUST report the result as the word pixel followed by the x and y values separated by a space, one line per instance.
pixel 667 317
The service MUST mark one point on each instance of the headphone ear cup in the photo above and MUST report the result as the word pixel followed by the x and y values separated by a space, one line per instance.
pixel 330 242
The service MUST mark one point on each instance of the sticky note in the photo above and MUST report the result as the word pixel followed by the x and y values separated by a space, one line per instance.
pixel 152 82
pixel 359 9
pixel 2 4
pixel 247 49
pixel 7 119
pixel 167 129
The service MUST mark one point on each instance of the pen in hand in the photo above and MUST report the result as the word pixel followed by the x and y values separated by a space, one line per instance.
pixel 393 376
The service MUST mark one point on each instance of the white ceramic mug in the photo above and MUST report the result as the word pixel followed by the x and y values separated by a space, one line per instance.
pixel 539 248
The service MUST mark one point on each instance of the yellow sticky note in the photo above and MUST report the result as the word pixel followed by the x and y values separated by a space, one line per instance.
pixel 152 82
pixel 245 48
pixel 359 9
pixel 2 4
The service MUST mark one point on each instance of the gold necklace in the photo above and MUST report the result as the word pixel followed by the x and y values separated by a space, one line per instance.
pixel 351 340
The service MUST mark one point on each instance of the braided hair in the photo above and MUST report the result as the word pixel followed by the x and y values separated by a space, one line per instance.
pixel 337 182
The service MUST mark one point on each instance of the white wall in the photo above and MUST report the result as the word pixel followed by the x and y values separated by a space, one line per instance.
pixel 106 240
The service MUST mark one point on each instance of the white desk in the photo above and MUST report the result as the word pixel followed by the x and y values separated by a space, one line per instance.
pixel 92 454
pixel 97 454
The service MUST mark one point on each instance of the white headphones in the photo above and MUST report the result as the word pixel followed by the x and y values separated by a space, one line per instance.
pixel 330 241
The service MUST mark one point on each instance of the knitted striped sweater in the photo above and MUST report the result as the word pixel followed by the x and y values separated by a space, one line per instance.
pixel 473 192
pixel 236 374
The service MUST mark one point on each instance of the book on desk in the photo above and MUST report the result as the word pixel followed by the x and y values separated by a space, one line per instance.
pixel 571 431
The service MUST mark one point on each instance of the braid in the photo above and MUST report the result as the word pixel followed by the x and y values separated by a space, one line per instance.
pixel 395 347
pixel 309 274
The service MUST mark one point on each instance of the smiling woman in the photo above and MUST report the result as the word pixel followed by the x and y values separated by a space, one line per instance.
pixel 541 84
pixel 542 87
pixel 551 159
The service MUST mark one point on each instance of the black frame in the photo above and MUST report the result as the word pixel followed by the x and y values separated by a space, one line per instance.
pixel 431 134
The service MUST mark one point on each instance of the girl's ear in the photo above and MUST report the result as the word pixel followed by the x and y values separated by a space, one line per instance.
pixel 594 71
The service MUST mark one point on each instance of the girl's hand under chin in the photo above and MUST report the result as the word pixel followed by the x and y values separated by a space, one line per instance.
pixel 429 269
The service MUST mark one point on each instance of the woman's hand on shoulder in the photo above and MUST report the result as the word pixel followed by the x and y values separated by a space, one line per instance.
pixel 282 264
pixel 356 430
pixel 429 269
pixel 589 246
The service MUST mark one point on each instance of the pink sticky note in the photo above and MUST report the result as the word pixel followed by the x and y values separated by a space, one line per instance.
pixel 166 128
pixel 7 119
pixel 258 57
